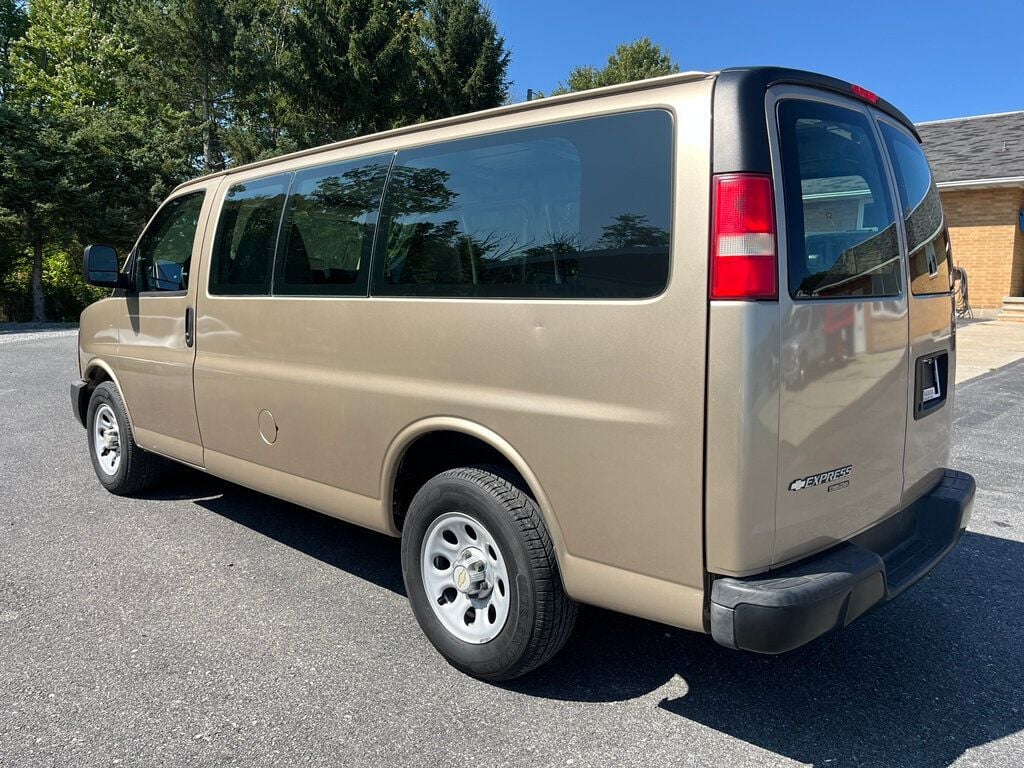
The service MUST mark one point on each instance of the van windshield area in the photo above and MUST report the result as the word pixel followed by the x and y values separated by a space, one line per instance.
pixel 840 220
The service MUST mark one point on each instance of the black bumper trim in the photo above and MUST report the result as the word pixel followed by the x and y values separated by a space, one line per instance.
pixel 80 399
pixel 786 608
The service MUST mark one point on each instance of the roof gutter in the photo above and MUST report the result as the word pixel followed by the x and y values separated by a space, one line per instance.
pixel 1006 181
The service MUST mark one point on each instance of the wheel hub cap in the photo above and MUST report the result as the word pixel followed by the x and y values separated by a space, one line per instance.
pixel 465 578
pixel 106 440
pixel 470 573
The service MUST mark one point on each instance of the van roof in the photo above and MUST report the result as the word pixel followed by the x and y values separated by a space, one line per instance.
pixel 752 80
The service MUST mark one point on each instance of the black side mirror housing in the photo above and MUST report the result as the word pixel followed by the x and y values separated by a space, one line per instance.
pixel 100 267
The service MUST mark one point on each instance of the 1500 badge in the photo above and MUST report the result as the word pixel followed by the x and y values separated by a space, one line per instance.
pixel 825 477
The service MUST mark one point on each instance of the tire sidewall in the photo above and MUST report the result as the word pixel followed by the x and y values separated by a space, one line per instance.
pixel 500 656
pixel 102 395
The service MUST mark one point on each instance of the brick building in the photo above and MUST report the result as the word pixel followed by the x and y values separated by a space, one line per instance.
pixel 978 164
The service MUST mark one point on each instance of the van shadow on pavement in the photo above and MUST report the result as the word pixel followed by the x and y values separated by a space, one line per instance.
pixel 371 556
pixel 916 683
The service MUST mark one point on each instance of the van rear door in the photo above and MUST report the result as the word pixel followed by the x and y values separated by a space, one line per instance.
pixel 932 351
pixel 845 323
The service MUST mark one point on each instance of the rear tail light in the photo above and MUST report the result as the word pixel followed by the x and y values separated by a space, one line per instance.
pixel 743 260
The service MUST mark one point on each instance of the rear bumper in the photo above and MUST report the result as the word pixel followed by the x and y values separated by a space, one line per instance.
pixel 79 399
pixel 785 608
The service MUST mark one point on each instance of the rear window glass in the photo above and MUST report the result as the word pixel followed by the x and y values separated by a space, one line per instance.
pixel 574 210
pixel 925 224
pixel 243 251
pixel 840 221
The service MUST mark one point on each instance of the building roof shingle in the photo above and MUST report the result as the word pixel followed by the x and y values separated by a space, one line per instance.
pixel 975 149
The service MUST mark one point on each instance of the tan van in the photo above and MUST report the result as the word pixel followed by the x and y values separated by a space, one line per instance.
pixel 681 348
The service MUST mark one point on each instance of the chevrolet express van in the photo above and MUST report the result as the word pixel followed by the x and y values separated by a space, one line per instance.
pixel 681 348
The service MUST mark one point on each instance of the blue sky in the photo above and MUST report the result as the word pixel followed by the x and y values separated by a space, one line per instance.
pixel 932 59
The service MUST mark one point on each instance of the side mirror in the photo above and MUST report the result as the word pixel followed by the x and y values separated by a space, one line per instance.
pixel 101 267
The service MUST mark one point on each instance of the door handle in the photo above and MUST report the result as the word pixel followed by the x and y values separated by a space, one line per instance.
pixel 190 336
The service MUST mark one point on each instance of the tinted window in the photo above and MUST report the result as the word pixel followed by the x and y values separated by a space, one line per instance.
pixel 926 228
pixel 164 253
pixel 840 222
pixel 576 210
pixel 243 252
pixel 328 228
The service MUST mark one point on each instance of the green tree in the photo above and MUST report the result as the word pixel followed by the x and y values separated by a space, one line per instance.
pixel 188 49
pixel 638 60
pixel 47 62
pixel 105 105
pixel 76 163
pixel 463 61
pixel 352 67
pixel 13 24
pixel 263 120
pixel 350 73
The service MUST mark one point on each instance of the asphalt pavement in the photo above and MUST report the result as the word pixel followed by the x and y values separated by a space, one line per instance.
pixel 206 625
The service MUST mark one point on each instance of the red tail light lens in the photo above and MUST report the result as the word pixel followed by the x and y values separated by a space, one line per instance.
pixel 743 260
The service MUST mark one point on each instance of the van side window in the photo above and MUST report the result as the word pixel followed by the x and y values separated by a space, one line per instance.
pixel 328 228
pixel 840 222
pixel 164 254
pixel 926 226
pixel 576 210
pixel 243 251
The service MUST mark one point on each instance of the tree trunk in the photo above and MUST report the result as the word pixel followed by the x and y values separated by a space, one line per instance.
pixel 207 129
pixel 38 302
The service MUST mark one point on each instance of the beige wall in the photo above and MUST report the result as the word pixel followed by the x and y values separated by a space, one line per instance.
pixel 987 241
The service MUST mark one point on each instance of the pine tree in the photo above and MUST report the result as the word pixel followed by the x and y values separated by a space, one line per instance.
pixel 462 59
pixel 188 47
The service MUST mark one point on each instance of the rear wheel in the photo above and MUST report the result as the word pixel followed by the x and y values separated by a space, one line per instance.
pixel 121 466
pixel 480 571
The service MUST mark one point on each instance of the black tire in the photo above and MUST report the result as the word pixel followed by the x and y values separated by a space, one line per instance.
pixel 138 469
pixel 541 616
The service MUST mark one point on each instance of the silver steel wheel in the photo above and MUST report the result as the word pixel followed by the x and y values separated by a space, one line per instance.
pixel 465 578
pixel 106 439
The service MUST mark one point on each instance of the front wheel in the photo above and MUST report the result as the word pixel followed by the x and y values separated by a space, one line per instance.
pixel 480 571
pixel 121 466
